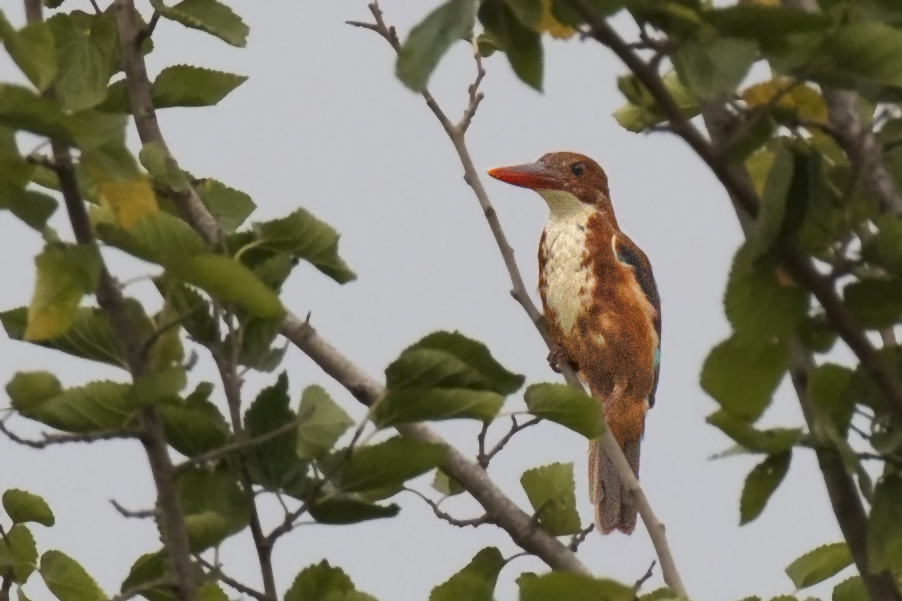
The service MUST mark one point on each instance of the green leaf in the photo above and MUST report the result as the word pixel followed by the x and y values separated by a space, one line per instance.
pixel 876 304
pixel 765 23
pixel 450 360
pixel 388 463
pixel 94 406
pixel 228 280
pixel 27 391
pixel 771 441
pixel 475 582
pixel 85 48
pixel 148 568
pixel 215 507
pixel 829 390
pixel 229 206
pixel 209 16
pixel 556 586
pixel 567 406
pixel 197 313
pixel 869 51
pixel 760 484
pixel 195 425
pixel 65 274
pixel 348 509
pixel 885 247
pixel 31 207
pixel 183 85
pixel 884 525
pixel 306 237
pixel 32 49
pixel 435 404
pixel 67 580
pixel 741 378
pixel 816 334
pixel 319 582
pixel 323 424
pixel 162 167
pixel 273 464
pixel 23 506
pixel 22 109
pixel 761 302
pixel 522 45
pixel 819 564
pixel 710 68
pixel 430 39
pixel 156 387
pixel 642 111
pixel 446 485
pixel 23 553
pixel 551 492
pixel 851 589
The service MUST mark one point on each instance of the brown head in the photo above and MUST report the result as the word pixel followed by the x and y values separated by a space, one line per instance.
pixel 561 177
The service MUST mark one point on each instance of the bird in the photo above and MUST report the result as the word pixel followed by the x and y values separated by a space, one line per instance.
pixel 603 311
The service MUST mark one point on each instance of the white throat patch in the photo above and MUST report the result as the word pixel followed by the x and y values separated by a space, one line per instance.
pixel 569 282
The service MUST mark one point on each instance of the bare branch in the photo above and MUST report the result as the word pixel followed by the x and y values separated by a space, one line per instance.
pixel 484 458
pixel 127 513
pixel 241 445
pixel 47 440
pixel 580 536
pixel 648 574
pixel 475 95
pixel 219 575
pixel 475 522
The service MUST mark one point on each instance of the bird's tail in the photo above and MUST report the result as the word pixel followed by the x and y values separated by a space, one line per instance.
pixel 613 510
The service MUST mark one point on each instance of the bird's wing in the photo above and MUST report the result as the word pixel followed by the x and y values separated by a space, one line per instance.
pixel 632 255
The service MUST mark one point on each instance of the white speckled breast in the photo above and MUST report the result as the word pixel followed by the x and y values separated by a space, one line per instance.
pixel 569 280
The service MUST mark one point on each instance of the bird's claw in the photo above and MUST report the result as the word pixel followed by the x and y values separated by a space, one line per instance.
pixel 556 356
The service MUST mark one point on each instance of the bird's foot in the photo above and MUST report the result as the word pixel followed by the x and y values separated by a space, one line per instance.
pixel 556 356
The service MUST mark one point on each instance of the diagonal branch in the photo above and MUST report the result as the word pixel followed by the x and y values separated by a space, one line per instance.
pixel 447 517
pixel 483 458
pixel 300 333
pixel 47 440
pixel 218 574
pixel 611 448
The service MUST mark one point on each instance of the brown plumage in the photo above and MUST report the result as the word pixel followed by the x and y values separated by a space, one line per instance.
pixel 602 307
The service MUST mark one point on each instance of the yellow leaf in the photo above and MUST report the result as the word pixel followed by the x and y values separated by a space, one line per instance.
pixel 64 275
pixel 131 200
pixel 758 166
pixel 554 27
pixel 788 99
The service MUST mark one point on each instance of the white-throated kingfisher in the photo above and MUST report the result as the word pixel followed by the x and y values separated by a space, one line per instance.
pixel 603 310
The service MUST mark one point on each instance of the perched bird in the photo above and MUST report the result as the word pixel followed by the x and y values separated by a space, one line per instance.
pixel 602 308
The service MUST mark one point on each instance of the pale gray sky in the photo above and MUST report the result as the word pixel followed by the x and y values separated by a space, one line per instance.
pixel 322 123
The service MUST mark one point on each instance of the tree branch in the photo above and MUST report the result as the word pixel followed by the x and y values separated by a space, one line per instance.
pixel 142 514
pixel 484 458
pixel 232 385
pixel 610 446
pixel 742 193
pixel 240 445
pixel 217 573
pixel 366 390
pixel 577 539
pixel 47 440
pixel 111 300
pixel 475 522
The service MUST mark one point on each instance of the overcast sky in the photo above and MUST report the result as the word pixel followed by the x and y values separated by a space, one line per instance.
pixel 322 123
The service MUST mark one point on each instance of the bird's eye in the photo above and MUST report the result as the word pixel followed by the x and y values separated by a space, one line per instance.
pixel 577 169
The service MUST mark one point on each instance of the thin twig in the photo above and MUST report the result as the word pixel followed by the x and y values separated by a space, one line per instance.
pixel 96 8
pixel 484 458
pixel 128 513
pixel 475 522
pixel 241 445
pixel 47 440
pixel 219 575
pixel 147 32
pixel 580 536
pixel 648 574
